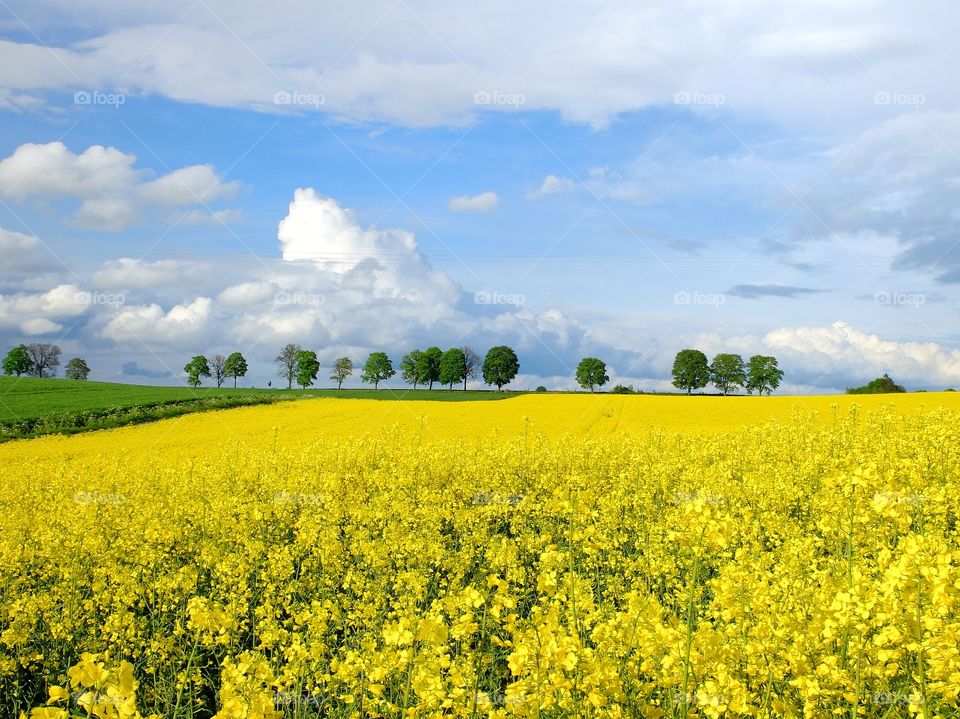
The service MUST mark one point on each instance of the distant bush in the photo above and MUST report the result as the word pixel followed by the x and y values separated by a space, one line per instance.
pixel 949 389
pixel 73 422
pixel 541 388
pixel 881 385
pixel 623 389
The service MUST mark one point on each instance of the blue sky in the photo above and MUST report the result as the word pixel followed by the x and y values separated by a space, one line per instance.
pixel 621 180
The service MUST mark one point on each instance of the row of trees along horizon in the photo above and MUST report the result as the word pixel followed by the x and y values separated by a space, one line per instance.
pixel 500 366
pixel 691 369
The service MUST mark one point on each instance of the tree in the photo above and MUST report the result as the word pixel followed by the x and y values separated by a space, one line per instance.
pixel 411 367
pixel 471 365
pixel 592 372
pixel 17 361
pixel 218 369
pixel 44 359
pixel 196 368
pixel 307 367
pixel 500 366
pixel 690 370
pixel 342 369
pixel 377 368
pixel 236 366
pixel 727 372
pixel 881 385
pixel 763 374
pixel 428 366
pixel 287 363
pixel 77 369
pixel 453 365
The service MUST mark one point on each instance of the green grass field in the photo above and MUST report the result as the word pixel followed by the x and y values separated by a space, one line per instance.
pixel 28 398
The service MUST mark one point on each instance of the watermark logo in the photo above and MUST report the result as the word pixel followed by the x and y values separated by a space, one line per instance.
pixel 99 298
pixel 489 297
pixel 292 699
pixel 699 99
pixel 296 98
pixel 498 98
pixel 485 499
pixel 900 299
pixel 299 298
pixel 109 99
pixel 699 298
pixel 297 498
pixel 499 700
pixel 715 500
pixel 99 498
pixel 908 499
pixel 901 99
pixel 698 698
pixel 889 698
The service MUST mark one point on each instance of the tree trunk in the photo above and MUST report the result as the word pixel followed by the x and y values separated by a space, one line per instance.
pixel 464 384
pixel 339 384
pixel 234 381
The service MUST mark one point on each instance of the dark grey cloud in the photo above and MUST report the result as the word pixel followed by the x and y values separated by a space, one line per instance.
pixel 132 369
pixel 897 180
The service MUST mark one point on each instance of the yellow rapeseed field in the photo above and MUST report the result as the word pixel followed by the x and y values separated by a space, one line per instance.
pixel 542 556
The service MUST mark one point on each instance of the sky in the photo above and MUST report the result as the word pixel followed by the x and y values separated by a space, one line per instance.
pixel 611 179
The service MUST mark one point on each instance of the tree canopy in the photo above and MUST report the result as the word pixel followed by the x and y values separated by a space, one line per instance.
pixel 592 373
pixel 377 368
pixel 44 359
pixel 429 365
pixel 307 367
pixel 196 368
pixel 17 361
pixel 287 363
pixel 881 385
pixel 236 366
pixel 77 368
pixel 412 369
pixel 763 374
pixel 342 369
pixel 500 366
pixel 727 372
pixel 691 370
pixel 218 369
pixel 471 365
pixel 453 365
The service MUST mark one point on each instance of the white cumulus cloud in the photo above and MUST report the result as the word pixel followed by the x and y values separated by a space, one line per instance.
pixel 112 192
pixel 149 324
pixel 42 313
pixel 552 185
pixel 484 202
pixel 841 348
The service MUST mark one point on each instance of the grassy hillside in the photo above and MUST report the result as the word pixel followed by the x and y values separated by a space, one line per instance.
pixel 30 406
